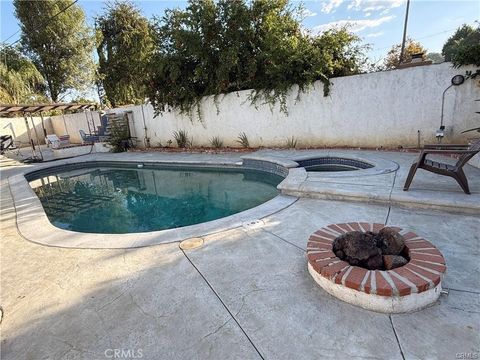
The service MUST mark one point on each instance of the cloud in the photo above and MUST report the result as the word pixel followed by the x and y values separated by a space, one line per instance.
pixel 376 34
pixel 375 5
pixel 308 13
pixel 354 25
pixel 329 6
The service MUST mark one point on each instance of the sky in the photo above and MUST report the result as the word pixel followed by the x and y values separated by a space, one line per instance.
pixel 378 22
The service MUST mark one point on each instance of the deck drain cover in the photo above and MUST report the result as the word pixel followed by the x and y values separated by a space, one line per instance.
pixel 192 243
pixel 253 224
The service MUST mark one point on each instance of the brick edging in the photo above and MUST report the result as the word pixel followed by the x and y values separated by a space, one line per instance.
pixel 423 272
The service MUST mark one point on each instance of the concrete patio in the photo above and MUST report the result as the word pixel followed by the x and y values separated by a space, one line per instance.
pixel 246 293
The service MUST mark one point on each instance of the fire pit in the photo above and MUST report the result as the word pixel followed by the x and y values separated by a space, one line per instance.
pixel 379 268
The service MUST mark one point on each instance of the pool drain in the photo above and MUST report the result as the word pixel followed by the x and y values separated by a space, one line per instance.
pixel 192 243
pixel 253 224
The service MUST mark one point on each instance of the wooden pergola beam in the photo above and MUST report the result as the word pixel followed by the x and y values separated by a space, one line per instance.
pixel 30 109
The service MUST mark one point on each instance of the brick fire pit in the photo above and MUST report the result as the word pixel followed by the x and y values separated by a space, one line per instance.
pixel 407 288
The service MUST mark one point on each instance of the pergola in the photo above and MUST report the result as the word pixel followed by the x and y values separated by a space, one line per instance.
pixel 30 109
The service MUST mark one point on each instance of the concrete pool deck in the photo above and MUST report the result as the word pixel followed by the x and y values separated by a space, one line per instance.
pixel 246 293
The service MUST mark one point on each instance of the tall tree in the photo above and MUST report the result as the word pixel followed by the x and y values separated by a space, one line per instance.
pixel 20 80
pixel 411 47
pixel 124 46
pixel 213 47
pixel 56 38
pixel 463 47
pixel 436 58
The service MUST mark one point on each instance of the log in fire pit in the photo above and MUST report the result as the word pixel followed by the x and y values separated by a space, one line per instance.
pixel 379 268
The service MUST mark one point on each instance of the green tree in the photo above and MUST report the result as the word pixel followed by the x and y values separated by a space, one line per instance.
pixel 214 47
pixel 20 80
pixel 463 47
pixel 436 58
pixel 411 47
pixel 124 46
pixel 56 38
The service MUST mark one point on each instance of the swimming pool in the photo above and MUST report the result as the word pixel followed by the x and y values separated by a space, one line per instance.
pixel 127 199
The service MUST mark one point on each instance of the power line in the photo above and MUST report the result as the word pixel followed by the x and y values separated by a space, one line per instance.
pixel 43 25
pixel 15 33
pixel 420 38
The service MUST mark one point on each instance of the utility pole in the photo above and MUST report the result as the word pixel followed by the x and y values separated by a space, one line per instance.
pixel 404 34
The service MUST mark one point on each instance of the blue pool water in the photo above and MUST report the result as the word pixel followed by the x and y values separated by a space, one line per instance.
pixel 129 200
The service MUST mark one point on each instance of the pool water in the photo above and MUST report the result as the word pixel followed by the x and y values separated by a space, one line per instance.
pixel 129 200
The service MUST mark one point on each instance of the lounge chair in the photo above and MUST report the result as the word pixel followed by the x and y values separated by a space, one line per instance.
pixel 466 152
pixel 57 142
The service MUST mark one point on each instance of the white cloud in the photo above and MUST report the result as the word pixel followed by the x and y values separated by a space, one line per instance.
pixel 354 25
pixel 329 6
pixel 368 14
pixel 376 34
pixel 375 5
pixel 308 13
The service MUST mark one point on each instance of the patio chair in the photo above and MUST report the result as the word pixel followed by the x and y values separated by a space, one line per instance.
pixel 57 142
pixel 466 152
pixel 88 138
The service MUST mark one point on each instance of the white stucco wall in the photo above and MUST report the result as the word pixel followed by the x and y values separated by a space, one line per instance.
pixel 387 109
pixel 15 126
pixel 74 123
pixel 369 110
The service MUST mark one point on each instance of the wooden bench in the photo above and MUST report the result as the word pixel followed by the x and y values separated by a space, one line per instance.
pixel 466 152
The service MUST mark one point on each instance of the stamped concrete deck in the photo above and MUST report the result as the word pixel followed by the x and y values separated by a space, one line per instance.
pixel 246 293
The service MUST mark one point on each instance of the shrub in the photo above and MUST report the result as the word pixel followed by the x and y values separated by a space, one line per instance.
pixel 119 134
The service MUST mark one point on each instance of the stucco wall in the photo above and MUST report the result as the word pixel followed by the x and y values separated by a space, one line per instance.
pixel 74 123
pixel 16 127
pixel 53 125
pixel 371 110
pixel 390 109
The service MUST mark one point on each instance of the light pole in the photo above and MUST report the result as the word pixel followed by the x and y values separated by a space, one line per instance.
pixel 404 34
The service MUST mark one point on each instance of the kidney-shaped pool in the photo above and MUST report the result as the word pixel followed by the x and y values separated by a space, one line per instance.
pixel 129 199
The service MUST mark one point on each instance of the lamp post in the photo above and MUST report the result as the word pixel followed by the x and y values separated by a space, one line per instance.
pixel 456 80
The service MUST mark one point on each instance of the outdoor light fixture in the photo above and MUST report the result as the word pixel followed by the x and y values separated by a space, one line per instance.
pixel 456 80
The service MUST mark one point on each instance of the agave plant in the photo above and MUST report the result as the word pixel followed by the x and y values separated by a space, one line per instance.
pixel 291 142
pixel 181 137
pixel 216 142
pixel 243 140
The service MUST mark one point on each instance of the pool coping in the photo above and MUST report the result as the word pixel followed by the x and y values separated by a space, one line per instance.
pixel 34 225
pixel 336 186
